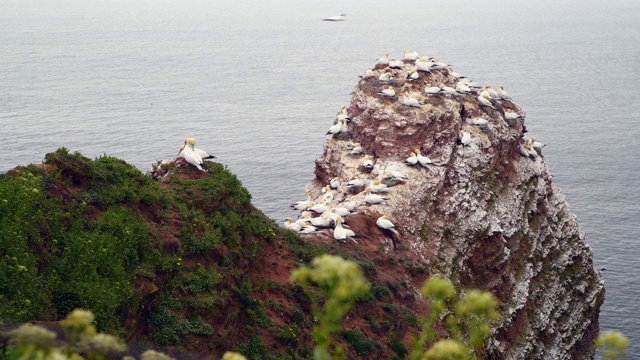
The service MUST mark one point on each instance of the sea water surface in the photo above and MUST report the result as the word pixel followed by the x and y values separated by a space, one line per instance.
pixel 259 82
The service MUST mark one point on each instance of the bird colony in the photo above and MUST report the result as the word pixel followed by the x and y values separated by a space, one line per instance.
pixel 364 181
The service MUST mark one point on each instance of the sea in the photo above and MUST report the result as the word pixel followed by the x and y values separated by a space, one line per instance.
pixel 259 82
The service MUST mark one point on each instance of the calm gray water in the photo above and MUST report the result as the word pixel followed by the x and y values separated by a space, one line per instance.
pixel 258 83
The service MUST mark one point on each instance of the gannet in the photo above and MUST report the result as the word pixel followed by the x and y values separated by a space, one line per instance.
pixel 335 18
pixel 431 89
pixel 412 74
pixel 485 93
pixel 412 159
pixel 355 183
pixel 344 128
pixel 470 83
pixel 351 204
pixel 385 77
pixel 377 186
pixel 341 211
pixel 203 154
pixel 357 149
pixel 448 90
pixel 308 229
pixel 410 101
pixel 478 121
pixel 537 145
pixel 319 207
pixel 334 183
pixel 503 94
pixel 370 198
pixel 493 93
pixel 321 221
pixel 395 175
pixel 335 128
pixel 342 114
pixel 340 233
pixel 413 56
pixel 510 115
pixel 190 154
pixel 453 73
pixel 367 74
pixel 424 64
pixel 484 101
pixel 465 137
pixel 396 64
pixel 388 92
pixel 437 64
pixel 327 194
pixel 289 224
pixel 383 222
pixel 463 88
pixel 367 164
pixel 303 204
pixel 423 160
pixel 384 60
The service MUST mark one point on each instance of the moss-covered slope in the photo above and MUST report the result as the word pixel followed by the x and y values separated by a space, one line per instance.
pixel 186 264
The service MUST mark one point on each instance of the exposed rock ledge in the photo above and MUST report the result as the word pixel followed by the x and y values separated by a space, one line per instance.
pixel 483 215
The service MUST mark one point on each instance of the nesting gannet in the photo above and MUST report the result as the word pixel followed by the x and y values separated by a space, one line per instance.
pixel 190 154
pixel 484 101
pixel 395 175
pixel 355 183
pixel 537 145
pixel 388 92
pixel 342 114
pixel 335 18
pixel 470 83
pixel 335 128
pixel 383 222
pixel 303 204
pixel 351 204
pixel 319 207
pixel 370 198
pixel 413 56
pixel 203 154
pixel 453 73
pixel 412 159
pixel 357 149
pixel 412 74
pixel 289 224
pixel 367 164
pixel 510 115
pixel 423 160
pixel 503 94
pixel 327 194
pixel 478 121
pixel 493 93
pixel 485 93
pixel 424 64
pixel 465 136
pixel 341 211
pixel 463 88
pixel 340 233
pixel 432 89
pixel 409 100
pixel 308 229
pixel 344 128
pixel 448 90
pixel 367 74
pixel 334 183
pixel 396 64
pixel 384 60
pixel 321 221
pixel 377 186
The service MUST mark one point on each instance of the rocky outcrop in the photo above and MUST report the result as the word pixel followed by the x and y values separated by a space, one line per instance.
pixel 482 214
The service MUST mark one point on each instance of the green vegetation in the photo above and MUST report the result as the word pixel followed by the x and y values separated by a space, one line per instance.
pixel 613 345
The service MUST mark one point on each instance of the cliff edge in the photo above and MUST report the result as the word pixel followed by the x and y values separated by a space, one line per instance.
pixel 484 212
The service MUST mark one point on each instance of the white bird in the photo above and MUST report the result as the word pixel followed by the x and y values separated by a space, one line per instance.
pixel 493 93
pixel 321 221
pixel 341 211
pixel 303 204
pixel 453 73
pixel 342 114
pixel 327 194
pixel 413 56
pixel 510 115
pixel 355 183
pixel 344 128
pixel 203 154
pixel 537 145
pixel 423 160
pixel 478 121
pixel 410 101
pixel 396 64
pixel 335 18
pixel 319 207
pixel 335 128
pixel 367 74
pixel 448 90
pixel 388 92
pixel 484 101
pixel 485 93
pixel 367 164
pixel 191 155
pixel 395 175
pixel 383 222
pixel 357 149
pixel 424 64
pixel 370 198
pixel 308 229
pixel 289 224
pixel 377 186
pixel 385 77
pixel 465 137
pixel 384 60
pixel 463 88
pixel 340 233
pixel 412 159
pixel 412 74
pixel 351 204
pixel 432 89
pixel 503 94
pixel 334 183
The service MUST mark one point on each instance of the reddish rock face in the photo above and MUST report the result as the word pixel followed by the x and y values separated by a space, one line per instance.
pixel 485 213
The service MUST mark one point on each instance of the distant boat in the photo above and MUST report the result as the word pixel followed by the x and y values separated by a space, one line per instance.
pixel 335 18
